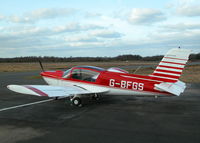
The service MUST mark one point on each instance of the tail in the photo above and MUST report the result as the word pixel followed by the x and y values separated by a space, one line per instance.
pixel 171 66
pixel 169 71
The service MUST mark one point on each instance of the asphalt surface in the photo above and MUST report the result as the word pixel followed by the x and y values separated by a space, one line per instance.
pixel 117 119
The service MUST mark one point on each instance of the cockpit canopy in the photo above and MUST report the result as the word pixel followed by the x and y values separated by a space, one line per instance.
pixel 118 70
pixel 86 73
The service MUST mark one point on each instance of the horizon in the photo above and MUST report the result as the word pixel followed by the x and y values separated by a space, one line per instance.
pixel 103 28
pixel 89 56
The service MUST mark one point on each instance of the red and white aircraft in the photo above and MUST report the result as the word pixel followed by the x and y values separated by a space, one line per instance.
pixel 81 81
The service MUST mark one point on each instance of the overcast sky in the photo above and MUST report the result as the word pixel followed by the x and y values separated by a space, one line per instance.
pixel 97 27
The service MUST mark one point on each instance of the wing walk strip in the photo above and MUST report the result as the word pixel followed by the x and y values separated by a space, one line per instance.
pixel 36 90
pixel 24 105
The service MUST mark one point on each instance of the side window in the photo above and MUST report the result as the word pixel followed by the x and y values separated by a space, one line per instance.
pixel 86 75
pixel 76 74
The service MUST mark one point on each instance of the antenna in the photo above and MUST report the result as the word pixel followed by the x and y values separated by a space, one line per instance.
pixel 137 69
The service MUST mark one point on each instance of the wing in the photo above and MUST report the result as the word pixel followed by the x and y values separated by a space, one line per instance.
pixel 49 91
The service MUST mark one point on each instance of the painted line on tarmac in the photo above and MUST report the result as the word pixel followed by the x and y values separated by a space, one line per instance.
pixel 24 105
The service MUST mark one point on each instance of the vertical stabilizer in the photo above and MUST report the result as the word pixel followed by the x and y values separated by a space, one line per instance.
pixel 171 66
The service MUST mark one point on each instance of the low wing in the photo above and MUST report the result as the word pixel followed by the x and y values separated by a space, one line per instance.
pixel 49 91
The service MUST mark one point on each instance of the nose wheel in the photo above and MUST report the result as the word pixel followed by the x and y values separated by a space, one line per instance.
pixel 76 101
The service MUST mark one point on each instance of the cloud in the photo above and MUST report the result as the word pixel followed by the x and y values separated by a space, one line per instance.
pixel 39 38
pixel 20 32
pixel 92 36
pixel 107 34
pixel 37 31
pixel 95 39
pixel 188 38
pixel 145 16
pixel 81 38
pixel 1 17
pixel 188 10
pixel 92 14
pixel 40 14
pixel 76 27
pixel 182 26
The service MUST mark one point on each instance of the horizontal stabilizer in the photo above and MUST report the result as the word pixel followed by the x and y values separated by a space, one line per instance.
pixel 174 88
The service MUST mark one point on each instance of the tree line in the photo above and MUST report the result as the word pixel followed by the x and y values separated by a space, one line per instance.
pixel 193 57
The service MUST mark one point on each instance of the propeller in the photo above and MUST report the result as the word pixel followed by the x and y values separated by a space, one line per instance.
pixel 41 65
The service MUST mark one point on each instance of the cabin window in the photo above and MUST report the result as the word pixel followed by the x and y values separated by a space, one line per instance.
pixel 86 75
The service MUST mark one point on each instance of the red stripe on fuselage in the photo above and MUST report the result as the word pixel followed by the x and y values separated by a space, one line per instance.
pixel 163 79
pixel 36 90
pixel 166 75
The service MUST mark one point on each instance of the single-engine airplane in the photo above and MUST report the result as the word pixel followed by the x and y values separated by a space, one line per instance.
pixel 81 81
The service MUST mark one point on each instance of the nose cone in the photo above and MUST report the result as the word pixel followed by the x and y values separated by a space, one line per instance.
pixel 54 74
pixel 43 73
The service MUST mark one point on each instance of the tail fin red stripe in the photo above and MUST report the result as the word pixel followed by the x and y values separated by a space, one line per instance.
pixel 166 75
pixel 170 67
pixel 168 71
pixel 176 58
pixel 172 63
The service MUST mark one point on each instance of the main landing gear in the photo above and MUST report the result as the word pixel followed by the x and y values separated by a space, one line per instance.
pixel 77 100
pixel 96 97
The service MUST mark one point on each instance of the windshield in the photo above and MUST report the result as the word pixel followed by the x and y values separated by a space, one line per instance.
pixel 66 74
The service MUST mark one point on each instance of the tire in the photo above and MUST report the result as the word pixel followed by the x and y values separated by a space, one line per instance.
pixel 96 97
pixel 76 101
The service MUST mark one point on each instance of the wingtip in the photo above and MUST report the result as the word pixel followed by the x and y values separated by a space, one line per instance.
pixel 10 86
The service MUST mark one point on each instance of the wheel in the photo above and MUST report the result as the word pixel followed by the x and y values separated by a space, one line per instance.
pixel 96 97
pixel 76 101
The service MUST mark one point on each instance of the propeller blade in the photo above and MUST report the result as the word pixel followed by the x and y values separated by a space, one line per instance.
pixel 41 66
